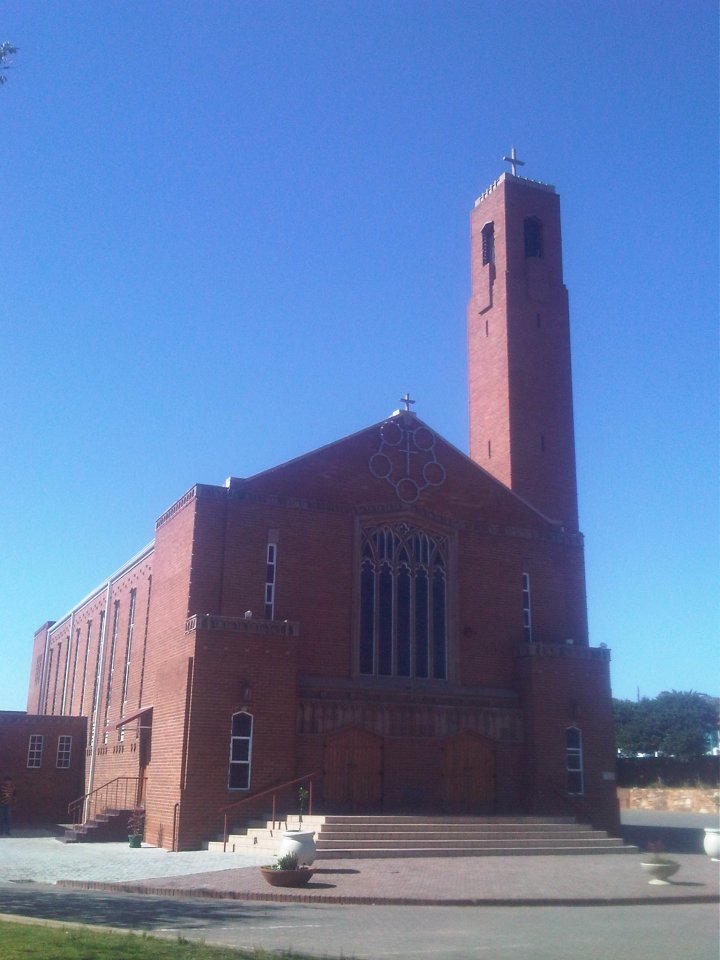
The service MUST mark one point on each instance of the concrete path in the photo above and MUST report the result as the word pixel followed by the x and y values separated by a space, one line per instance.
pixel 43 859
pixel 459 881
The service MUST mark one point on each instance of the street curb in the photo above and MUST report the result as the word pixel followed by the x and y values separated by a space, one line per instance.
pixel 204 893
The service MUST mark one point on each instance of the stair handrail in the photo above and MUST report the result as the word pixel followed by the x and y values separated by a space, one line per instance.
pixel 83 808
pixel 274 790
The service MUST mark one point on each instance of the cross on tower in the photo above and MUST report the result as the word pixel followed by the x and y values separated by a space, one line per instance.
pixel 514 162
pixel 407 401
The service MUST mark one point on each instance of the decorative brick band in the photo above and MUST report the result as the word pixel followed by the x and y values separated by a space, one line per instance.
pixel 178 505
pixel 567 650
pixel 266 628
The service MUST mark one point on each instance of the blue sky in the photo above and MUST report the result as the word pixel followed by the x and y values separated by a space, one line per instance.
pixel 236 231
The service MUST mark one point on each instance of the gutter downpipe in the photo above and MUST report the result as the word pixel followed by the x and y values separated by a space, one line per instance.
pixel 98 680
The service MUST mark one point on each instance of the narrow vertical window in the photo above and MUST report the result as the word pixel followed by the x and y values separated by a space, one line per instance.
pixel 270 577
pixel 145 637
pixel 35 751
pixel 64 751
pixel 57 671
pixel 49 675
pixel 85 666
pixel 128 651
pixel 96 684
pixel 240 751
pixel 526 608
pixel 74 671
pixel 533 237
pixel 488 243
pixel 111 668
pixel 574 761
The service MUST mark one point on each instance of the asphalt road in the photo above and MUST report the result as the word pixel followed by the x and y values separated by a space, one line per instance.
pixel 670 931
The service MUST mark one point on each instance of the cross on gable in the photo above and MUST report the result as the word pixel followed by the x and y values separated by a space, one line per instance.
pixel 407 401
pixel 514 162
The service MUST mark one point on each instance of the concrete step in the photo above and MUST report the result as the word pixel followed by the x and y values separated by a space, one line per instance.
pixel 333 818
pixel 367 843
pixel 519 851
pixel 408 833
pixel 339 836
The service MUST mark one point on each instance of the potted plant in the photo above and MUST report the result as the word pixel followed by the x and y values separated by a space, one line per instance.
pixel 136 827
pixel 658 865
pixel 299 842
pixel 286 872
pixel 303 794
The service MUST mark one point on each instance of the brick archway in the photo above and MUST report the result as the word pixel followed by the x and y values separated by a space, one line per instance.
pixel 353 781
pixel 467 782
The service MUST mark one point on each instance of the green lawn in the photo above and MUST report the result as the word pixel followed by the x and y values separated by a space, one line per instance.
pixel 20 941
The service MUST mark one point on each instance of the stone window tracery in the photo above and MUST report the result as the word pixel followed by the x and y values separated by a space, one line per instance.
pixel 403 602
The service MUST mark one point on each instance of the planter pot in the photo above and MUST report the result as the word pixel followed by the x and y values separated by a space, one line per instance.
pixel 301 843
pixel 135 841
pixel 659 872
pixel 287 878
pixel 711 842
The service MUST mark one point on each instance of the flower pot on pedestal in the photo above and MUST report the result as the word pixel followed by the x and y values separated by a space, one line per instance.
pixel 711 842
pixel 660 870
pixel 301 843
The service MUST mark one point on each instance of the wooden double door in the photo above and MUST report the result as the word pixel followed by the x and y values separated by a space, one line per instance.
pixel 467 774
pixel 353 780
pixel 459 775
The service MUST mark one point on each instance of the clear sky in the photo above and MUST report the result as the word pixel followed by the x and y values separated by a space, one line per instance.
pixel 236 231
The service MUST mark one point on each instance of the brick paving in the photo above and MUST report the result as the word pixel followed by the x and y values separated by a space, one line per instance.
pixel 452 881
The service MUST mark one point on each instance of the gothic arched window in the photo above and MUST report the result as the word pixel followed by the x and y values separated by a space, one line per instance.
pixel 403 603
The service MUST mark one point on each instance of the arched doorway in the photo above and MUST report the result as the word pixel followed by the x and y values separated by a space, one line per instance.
pixel 353 781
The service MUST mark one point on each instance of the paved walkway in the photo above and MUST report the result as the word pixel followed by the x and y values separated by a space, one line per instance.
pixel 607 879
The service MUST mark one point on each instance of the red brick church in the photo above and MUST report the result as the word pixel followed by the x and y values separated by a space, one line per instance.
pixel 405 621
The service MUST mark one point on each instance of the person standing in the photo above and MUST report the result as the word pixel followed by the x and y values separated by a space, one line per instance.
pixel 7 801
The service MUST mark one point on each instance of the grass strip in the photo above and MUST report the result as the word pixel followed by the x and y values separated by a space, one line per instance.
pixel 20 941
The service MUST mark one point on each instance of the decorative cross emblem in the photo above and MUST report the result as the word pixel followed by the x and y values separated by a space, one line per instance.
pixel 406 456
pixel 407 401
pixel 514 162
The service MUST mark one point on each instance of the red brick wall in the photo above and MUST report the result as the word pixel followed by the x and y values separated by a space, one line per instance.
pixel 232 673
pixel 563 688
pixel 169 667
pixel 520 386
pixel 43 793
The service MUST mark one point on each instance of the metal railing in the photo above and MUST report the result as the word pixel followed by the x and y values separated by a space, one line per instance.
pixel 273 791
pixel 122 793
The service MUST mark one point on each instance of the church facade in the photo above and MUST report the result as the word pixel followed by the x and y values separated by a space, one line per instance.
pixel 403 621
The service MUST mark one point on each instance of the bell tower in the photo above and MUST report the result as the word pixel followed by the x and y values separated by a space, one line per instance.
pixel 520 382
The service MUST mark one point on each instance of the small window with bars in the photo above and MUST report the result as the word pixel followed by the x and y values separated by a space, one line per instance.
pixel 35 751
pixel 64 751
pixel 574 761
